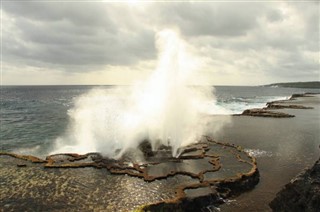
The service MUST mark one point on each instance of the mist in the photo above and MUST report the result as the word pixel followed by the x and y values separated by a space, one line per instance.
pixel 164 109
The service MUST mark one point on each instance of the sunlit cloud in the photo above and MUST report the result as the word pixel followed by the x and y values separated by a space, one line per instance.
pixel 239 43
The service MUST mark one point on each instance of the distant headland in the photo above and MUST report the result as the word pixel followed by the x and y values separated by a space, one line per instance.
pixel 312 84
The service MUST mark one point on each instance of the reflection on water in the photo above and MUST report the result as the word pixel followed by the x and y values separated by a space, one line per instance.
pixel 25 185
pixel 258 153
pixel 283 147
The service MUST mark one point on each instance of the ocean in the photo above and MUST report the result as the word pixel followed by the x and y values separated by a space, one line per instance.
pixel 33 117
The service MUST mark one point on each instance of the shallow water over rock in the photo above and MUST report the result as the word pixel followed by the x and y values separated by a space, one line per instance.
pixel 87 182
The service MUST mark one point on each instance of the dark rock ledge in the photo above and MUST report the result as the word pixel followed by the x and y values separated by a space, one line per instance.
pixel 201 177
pixel 301 194
pixel 263 112
pixel 269 110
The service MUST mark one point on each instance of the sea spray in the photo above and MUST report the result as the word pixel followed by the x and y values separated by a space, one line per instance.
pixel 94 123
pixel 163 109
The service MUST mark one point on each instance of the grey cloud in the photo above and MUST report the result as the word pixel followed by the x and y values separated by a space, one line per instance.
pixel 284 39
pixel 296 61
pixel 73 34
pixel 210 19
pixel 81 13
pixel 312 32
pixel 293 65
pixel 274 15
pixel 81 36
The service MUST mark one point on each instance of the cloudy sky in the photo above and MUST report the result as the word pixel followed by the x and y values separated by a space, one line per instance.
pixel 239 43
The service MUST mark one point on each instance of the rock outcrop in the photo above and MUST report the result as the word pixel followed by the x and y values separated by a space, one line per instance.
pixel 265 113
pixel 301 194
pixel 203 175
pixel 269 110
pixel 279 106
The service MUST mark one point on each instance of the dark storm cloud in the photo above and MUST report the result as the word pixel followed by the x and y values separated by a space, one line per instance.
pixel 73 34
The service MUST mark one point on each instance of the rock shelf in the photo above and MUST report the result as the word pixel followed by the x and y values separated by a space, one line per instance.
pixel 301 194
pixel 202 175
pixel 269 110
pixel 265 113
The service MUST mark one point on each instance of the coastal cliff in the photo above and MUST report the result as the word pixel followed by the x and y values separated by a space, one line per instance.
pixel 301 194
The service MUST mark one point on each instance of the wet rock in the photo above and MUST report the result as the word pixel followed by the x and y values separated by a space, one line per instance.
pixel 204 174
pixel 293 96
pixel 265 113
pixel 301 194
pixel 279 106
pixel 268 111
pixel 308 94
pixel 312 93
pixel 146 148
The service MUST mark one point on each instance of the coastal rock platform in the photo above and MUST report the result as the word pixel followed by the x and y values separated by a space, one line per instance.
pixel 202 176
pixel 301 194
pixel 263 112
pixel 271 107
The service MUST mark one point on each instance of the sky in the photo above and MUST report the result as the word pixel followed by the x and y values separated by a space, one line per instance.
pixel 99 43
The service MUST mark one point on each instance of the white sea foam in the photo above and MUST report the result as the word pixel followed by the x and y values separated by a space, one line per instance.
pixel 258 153
pixel 163 109
pixel 238 105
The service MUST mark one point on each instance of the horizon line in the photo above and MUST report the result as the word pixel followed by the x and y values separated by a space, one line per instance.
pixel 274 83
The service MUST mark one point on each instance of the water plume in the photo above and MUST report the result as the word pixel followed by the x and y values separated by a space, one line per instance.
pixel 163 109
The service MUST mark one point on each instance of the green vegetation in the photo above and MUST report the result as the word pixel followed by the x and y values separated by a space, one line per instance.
pixel 313 84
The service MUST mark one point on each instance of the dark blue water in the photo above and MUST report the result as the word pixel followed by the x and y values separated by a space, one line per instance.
pixel 32 117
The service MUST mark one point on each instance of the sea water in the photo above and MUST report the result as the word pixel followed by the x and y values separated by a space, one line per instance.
pixel 33 117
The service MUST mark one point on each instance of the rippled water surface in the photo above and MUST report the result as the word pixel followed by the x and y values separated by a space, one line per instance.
pixel 283 148
pixel 32 117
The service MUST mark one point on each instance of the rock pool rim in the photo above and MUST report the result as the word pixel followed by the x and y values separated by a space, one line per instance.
pixel 221 187
pixel 269 110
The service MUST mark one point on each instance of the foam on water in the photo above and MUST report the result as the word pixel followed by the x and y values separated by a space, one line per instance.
pixel 35 116
pixel 257 153
pixel 163 109
pixel 236 105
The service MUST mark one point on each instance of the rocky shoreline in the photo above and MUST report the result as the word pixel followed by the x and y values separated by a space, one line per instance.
pixel 301 194
pixel 269 110
pixel 187 189
pixel 263 112
pixel 203 175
